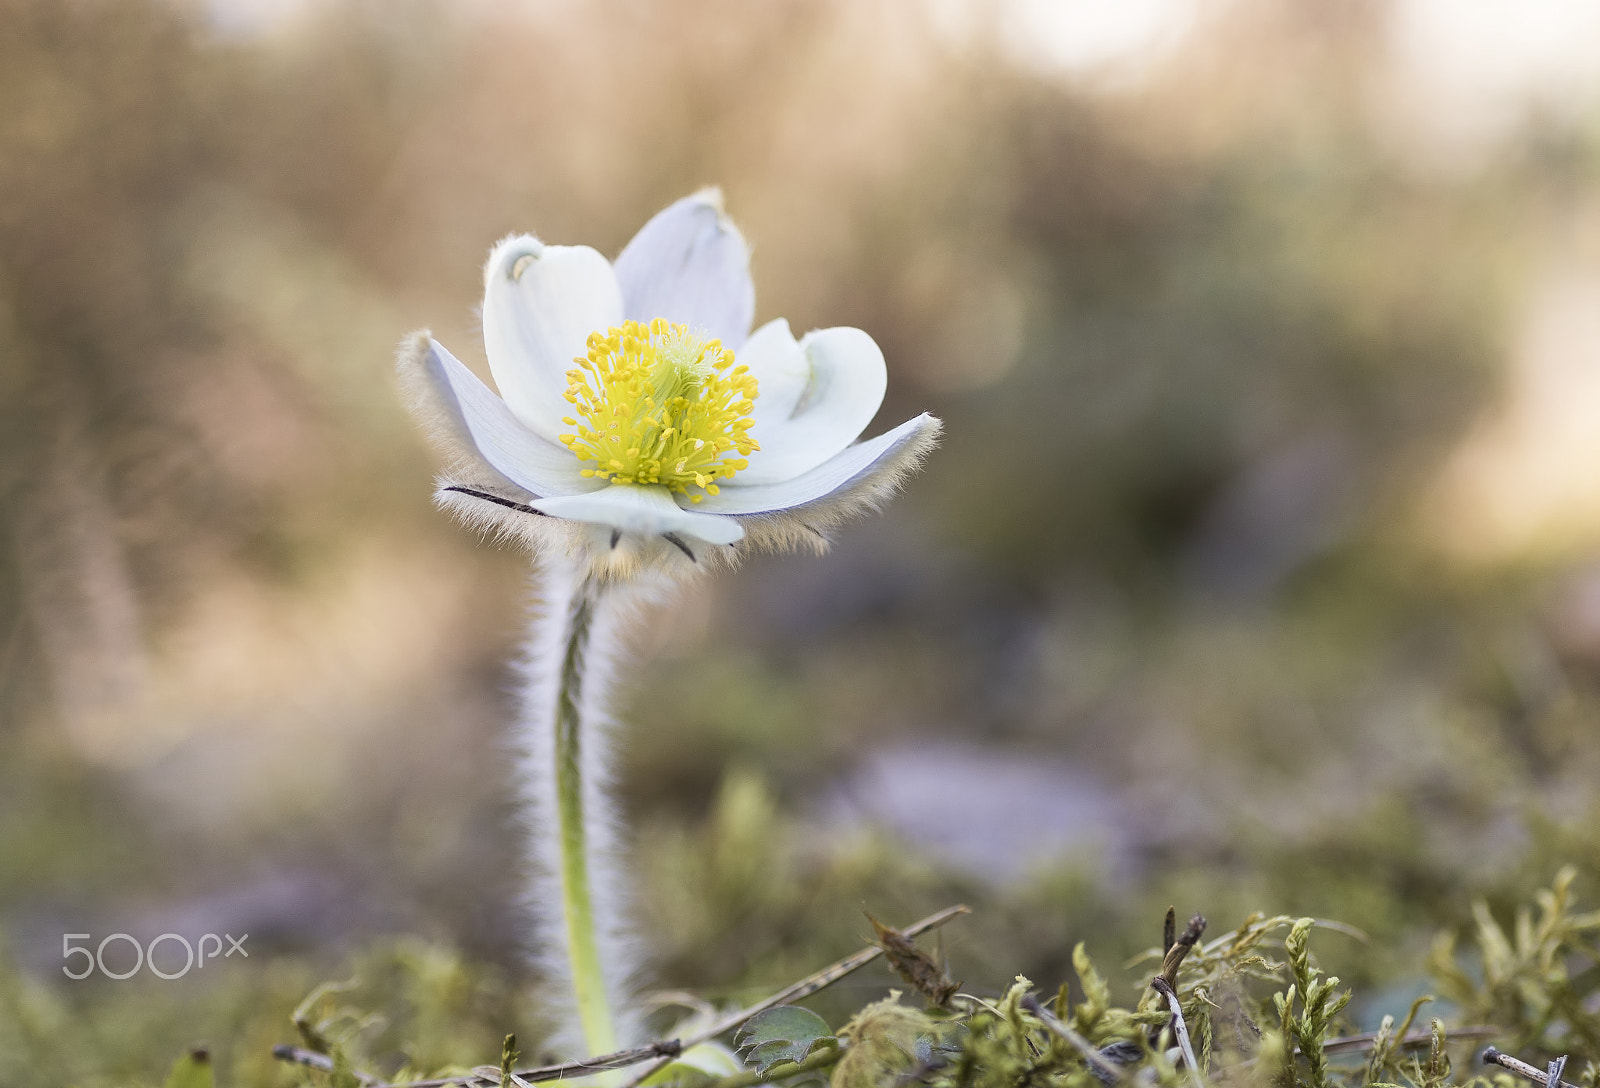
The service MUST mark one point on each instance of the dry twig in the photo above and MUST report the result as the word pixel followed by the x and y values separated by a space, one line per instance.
pixel 1178 948
pixel 1179 1028
pixel 1108 1071
pixel 1365 1040
pixel 1491 1056
pixel 920 970
pixel 621 1059
pixel 805 987
pixel 666 1050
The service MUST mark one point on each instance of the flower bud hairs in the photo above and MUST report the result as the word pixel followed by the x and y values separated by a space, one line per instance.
pixel 642 433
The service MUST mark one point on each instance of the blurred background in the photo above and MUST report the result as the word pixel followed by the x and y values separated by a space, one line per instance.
pixel 1260 567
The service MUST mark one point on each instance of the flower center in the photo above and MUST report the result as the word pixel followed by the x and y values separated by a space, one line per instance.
pixel 659 405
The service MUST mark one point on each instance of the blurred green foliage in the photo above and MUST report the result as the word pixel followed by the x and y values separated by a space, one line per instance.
pixel 1535 981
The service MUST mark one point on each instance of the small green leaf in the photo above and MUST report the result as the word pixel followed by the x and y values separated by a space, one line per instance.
pixel 192 1071
pixel 787 1033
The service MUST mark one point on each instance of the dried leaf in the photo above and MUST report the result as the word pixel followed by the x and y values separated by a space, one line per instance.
pixel 920 971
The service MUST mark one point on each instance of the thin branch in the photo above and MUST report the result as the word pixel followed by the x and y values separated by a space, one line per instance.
pixel 1365 1040
pixel 621 1059
pixel 1491 1056
pixel 1106 1070
pixel 1179 1028
pixel 498 1077
pixel 1179 948
pixel 804 988
pixel 312 1060
pixel 668 1050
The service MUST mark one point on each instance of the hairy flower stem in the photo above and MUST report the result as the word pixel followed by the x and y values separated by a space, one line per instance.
pixel 577 893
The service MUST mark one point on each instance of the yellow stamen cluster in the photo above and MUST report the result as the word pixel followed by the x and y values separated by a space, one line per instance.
pixel 659 405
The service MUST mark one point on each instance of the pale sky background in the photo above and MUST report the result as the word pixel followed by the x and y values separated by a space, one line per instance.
pixel 1466 68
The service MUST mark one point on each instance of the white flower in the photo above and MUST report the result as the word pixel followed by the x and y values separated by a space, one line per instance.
pixel 637 408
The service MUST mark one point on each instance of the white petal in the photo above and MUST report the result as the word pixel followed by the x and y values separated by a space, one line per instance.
pixel 482 419
pixel 836 474
pixel 690 264
pixel 646 510
pixel 843 389
pixel 781 371
pixel 540 303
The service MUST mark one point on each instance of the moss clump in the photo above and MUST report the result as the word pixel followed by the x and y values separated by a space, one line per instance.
pixel 1254 1008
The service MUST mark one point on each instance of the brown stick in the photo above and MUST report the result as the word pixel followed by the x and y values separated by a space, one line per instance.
pixel 1365 1040
pixel 1176 950
pixel 667 1050
pixel 312 1060
pixel 804 988
pixel 621 1059
pixel 1179 1028
pixel 1179 948
pixel 1109 1072
pixel 1491 1056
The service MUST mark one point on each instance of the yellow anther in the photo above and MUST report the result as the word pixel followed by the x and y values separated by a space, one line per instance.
pixel 672 395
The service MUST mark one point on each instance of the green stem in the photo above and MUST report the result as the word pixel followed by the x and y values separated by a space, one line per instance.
pixel 577 900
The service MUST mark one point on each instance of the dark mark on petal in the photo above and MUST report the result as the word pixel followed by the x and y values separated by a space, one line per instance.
pixel 676 541
pixel 497 500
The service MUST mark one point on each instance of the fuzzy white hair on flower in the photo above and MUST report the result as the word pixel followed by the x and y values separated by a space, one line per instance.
pixel 636 409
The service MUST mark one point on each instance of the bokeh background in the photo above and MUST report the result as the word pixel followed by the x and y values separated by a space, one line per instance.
pixel 1260 567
